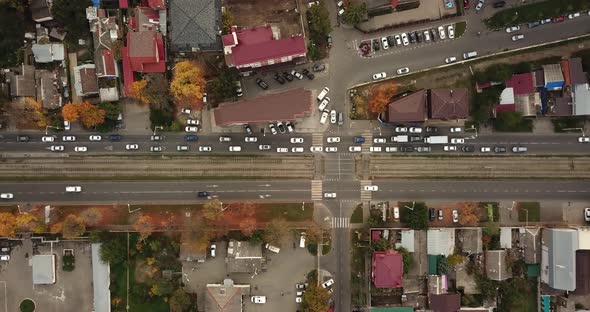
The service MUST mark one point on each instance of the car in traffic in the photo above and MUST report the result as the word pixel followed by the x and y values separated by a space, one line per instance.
pixel 331 149
pixel 468 149
pixel 261 83
pixel 450 60
pixel 587 210
pixel 316 149
pixel 512 29
pixel 47 139
pixel 56 148
pixel 264 147
pixel 68 138
pixel 457 141
pixel 379 140
pixel 191 138
pixel 358 140
pixel 401 129
pixel 517 37
pixel 371 188
pixel 23 138
pixel 81 149
pixel 157 137
pixel 185 111
pixel 296 140
pixel 485 149
pixel 250 139
pixel 449 148
pixel 451 31
pixel 191 129
pixel 6 196
pixel 95 137
pixel 329 195
pixel 333 139
pixel 406 149
pixel 235 148
pixel 499 149
pixel 415 130
pixel 354 149
pixel 403 70
pixel 73 189
pixel 519 149
pixel 456 129
pixel 205 148
pixel 203 194
pixel 182 148
pixel 156 148
pixel 193 122
pixel 131 147
pixel 391 149
pixel 378 76
pixel 441 33
pixel 455 216
pixel 584 139
pixel 282 149
pixel 224 139
pixel 375 149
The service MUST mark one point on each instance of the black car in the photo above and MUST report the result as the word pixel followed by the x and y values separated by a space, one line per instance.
pixel 288 76
pixel 431 129
pixel 434 33
pixel 499 4
pixel 23 138
pixel 279 79
pixel 376 45
pixel 468 148
pixel 391 41
pixel 418 36
pixel 415 138
pixel 406 149
pixel 248 129
pixel 412 37
pixel 431 214
pixel 499 149
pixel 114 137
pixel 261 83
pixel 203 194
pixel 282 128
pixel 308 74
pixel 318 68
pixel 191 138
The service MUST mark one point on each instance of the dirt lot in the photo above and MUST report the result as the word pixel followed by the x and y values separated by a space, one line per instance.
pixel 250 13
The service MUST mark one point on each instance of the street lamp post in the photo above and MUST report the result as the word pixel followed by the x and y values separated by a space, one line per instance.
pixel 156 129
pixel 47 128
pixel 579 129
pixel 472 128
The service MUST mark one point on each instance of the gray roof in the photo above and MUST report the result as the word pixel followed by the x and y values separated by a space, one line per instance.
pixel 43 269
pixel 577 74
pixel 530 240
pixel 558 265
pixel 47 53
pixel 581 100
pixel 40 10
pixel 226 297
pixel 100 281
pixel 471 240
pixel 440 241
pixel 195 24
pixel 496 268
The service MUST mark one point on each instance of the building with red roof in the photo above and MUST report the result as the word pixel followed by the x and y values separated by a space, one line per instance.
pixel 247 49
pixel 521 83
pixel 387 269
pixel 144 53
pixel 156 4
pixel 448 104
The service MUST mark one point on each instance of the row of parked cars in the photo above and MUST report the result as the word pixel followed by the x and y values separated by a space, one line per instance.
pixel 405 39
pixel 286 76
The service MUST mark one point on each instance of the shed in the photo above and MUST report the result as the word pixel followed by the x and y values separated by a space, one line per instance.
pixel 440 241
pixel 553 77
pixel 496 267
pixel 505 237
pixel 43 269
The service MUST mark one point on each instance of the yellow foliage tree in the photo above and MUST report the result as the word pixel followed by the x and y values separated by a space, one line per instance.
pixel 70 112
pixel 188 84
pixel 73 226
pixel 90 114
pixel 145 226
pixel 26 222
pixel 7 224
pixel 137 91
pixel 34 112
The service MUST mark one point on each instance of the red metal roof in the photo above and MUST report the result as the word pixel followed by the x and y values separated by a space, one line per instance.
pixel 123 4
pixel 146 52
pixel 387 269
pixel 157 4
pixel 505 108
pixel 128 77
pixel 522 83
pixel 565 68
pixel 108 62
pixel 449 103
pixel 257 45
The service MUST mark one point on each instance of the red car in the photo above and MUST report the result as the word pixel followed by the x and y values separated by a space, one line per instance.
pixel 466 4
pixel 558 19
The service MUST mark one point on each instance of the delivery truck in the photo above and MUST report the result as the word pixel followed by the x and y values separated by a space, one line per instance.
pixel 437 139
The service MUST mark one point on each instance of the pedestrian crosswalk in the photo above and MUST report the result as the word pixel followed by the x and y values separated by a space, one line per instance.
pixel 368 135
pixel 366 195
pixel 340 222
pixel 316 190
pixel 317 139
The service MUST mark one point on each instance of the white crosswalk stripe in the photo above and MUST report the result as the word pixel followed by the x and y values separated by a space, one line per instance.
pixel 366 195
pixel 340 222
pixel 317 139
pixel 316 190
pixel 368 135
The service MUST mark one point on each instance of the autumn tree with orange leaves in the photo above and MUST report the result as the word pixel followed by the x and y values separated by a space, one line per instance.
pixel 188 85
pixel 248 226
pixel 137 91
pixel 90 115
pixel 468 213
pixel 91 216
pixel 145 226
pixel 380 96
pixel 73 226
pixel 7 224
pixel 34 112
pixel 70 112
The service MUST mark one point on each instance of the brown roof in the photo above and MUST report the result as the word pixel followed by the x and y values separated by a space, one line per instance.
pixel 39 9
pixel 582 272
pixel 449 103
pixel 141 43
pixel 577 74
pixel 409 108
pixel 286 105
pixel 226 297
pixel 445 302
pixel 88 80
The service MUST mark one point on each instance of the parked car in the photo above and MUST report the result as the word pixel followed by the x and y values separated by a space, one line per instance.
pixel 328 283
pixel 584 139
pixel 290 127
pixel 479 6
pixel 587 212
pixel 512 29
pixel 193 122
pixel 272 128
pixel 378 76
pixel 279 79
pixel 296 74
pixel 558 19
pixel 384 43
pixel 398 40
pixel 455 216
pixel 451 31
pixel 258 299
pixel 308 74
pixel 426 36
pixel 261 83
pixel 412 37
pixel 185 111
pixel 431 214
pixel 405 39
pixel 441 33
pixel 450 60
pixel 466 4
pixel 324 116
pixel 517 37
pixel 281 127
pixel 545 21
pixel 403 70
pixel 573 15
pixel 318 68
pixel 248 129
pixel 376 45
pixel 288 76
pixel 499 4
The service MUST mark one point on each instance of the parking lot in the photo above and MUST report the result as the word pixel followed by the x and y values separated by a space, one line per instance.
pixel 285 269
pixel 72 291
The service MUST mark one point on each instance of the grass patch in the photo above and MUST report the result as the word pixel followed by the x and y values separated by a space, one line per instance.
pixel 357 214
pixel 559 124
pixel 460 29
pixel 534 12
pixel 293 212
pixel 534 211
pixel 492 211
pixel 358 278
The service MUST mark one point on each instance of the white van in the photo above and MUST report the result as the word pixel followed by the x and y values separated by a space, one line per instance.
pixel 302 240
pixel 323 94
pixel 469 55
pixel 73 189
pixel 273 248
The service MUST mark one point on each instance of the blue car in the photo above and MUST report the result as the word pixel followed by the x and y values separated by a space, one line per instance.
pixel 114 137
pixel 191 138
pixel 359 140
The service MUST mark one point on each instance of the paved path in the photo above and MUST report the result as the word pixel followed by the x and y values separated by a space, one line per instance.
pixel 73 62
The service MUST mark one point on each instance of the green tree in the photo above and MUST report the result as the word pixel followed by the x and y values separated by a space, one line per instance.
pixel 315 299
pixel 407 258
pixel 483 102
pixel 318 18
pixel 455 259
pixel 443 266
pixel 114 248
pixel 179 301
pixel 162 287
pixel 355 13
pixel 12 32
pixel 313 52
pixel 72 14
pixel 227 20
pixel 416 218
pixel 224 86
pixel 380 245
pixel 111 109
pixel 511 121
pixel 486 286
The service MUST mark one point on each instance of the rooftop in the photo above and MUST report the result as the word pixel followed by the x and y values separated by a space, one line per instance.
pixel 408 108
pixel 195 24
pixel 387 269
pixel 530 240
pixel 577 74
pixel 471 240
pixel 244 257
pixel 440 241
pixel 100 281
pixel 445 302
pixel 521 83
pixel 582 272
pixel 496 267
pixel 43 269
pixel 558 265
pixel 47 53
pixel 449 103
pixel 226 297
pixel 85 81
pixel 581 100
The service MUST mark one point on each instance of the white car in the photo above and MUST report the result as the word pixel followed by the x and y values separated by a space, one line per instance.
pixel 56 148
pixel 333 139
pixel 450 60
pixel 224 139
pixel 456 129
pixel 398 40
pixel 191 129
pixel 574 15
pixel 235 148
pixel 182 148
pixel 258 299
pixel 457 141
pixel 192 122
pixel 333 117
pixel 204 148
pixel 296 140
pixel 403 70
pixel 297 150
pixel 378 76
pixel 250 139
pixel 272 128
pixel 451 30
pixel 328 283
pixel 329 195
pixel 157 137
pixel 379 140
pixel 6 196
pixel 297 74
pixel 441 33
pixel 485 149
pixel 80 149
pixel 68 138
pixel 264 147
pixel 426 36
pixel 479 5
pixel 415 130
pixel 405 39
pixel 391 149
pixel 455 216
pixel 401 129
pixel 371 188
pixel 324 104
pixel 95 138
pixel 298 300
pixel 156 148
pixel 517 37
pixel 512 29
pixel 49 138
pixel 324 117
pixel 67 125
pixel 331 149
pixel 384 43
pixel 316 149
pixel 584 139
pixel 73 189
pixel 130 147
pixel 354 149
pixel 450 148
pixel 185 111
pixel 282 150
pixel 375 149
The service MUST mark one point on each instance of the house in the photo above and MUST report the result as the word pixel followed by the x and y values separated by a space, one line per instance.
pixel 521 89
pixel 507 101
pixel 496 267
pixel 100 281
pixel 581 100
pixel 440 242
pixel 448 104
pixel 470 239
pixel 445 302
pixel 553 77
pixel 288 105
pixel 530 241
pixel 85 81
pixel 558 265
pixel 195 25
pixel 47 90
pixel 144 53
pixel 437 284
pixel 409 108
pixel 387 269
pixel 22 81
pixel 40 10
pixel 248 49
pixel 582 272
pixel 47 53
pixel 576 73
pixel 43 269
pixel 243 257
pixel 225 297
